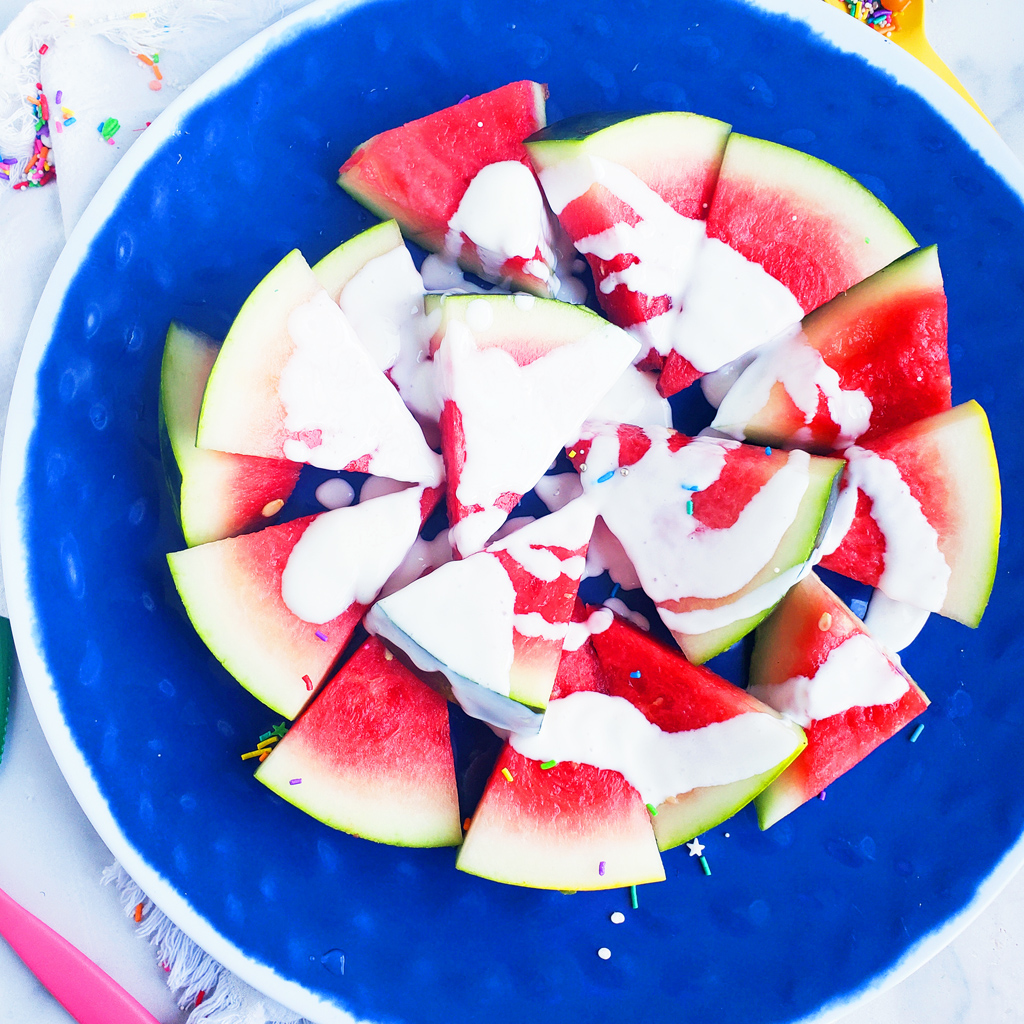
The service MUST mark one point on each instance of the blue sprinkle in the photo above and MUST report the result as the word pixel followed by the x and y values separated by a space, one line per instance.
pixel 689 487
pixel 606 476
pixel 635 675
pixel 917 732
pixel 768 452
pixel 615 590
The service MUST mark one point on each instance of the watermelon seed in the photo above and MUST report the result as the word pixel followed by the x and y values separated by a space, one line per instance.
pixel 507 774
pixel 618 917
pixel 825 622
pixel 604 953
pixel 632 897
pixel 704 865
pixel 917 732
pixel 273 507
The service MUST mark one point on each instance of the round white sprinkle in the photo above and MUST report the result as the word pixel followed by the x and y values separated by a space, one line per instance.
pixel 604 953
pixel 618 917
pixel 335 493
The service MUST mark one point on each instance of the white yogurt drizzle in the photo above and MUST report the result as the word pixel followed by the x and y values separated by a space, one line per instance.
pixel 345 555
pixel 915 570
pixel 462 615
pixel 894 624
pixel 855 674
pixel 331 390
pixel 578 633
pixel 634 399
pixel 516 417
pixel 791 361
pixel 611 733
pixel 673 554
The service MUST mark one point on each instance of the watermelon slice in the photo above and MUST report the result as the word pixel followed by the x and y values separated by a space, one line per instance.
pixel 278 606
pixel 717 531
pixel 518 376
pixel 735 744
pixel 569 827
pixel 632 194
pixel 372 756
pixel 919 514
pixel 786 233
pixel 870 360
pixel 459 182
pixel 292 381
pixel 814 661
pixel 217 494
pixel 487 630
pixel 373 279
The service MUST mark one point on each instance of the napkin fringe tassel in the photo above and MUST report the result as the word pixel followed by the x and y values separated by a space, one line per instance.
pixel 199 983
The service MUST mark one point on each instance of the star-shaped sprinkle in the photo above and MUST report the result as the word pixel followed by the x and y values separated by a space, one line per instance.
pixel 696 848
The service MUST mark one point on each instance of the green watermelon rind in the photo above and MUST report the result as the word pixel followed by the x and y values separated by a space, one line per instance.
pixel 238 383
pixel 340 265
pixel 690 815
pixel 796 548
pixel 635 141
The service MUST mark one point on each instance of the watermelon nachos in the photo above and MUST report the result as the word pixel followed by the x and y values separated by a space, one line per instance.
pixel 456 407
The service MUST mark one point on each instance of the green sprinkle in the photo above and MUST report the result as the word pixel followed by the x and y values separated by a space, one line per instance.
pixel 548 764
pixel 6 669
pixel 632 897
pixel 653 810
pixel 867 241
pixel 689 507
pixel 110 128
pixel 917 732
pixel 704 865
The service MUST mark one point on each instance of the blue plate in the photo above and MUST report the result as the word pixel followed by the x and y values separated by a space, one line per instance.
pixel 838 899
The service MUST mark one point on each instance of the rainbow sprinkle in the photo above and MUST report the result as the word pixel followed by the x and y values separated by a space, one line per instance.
pixel 919 728
pixel 873 13
pixel 632 897
pixel 704 865
pixel 507 774
pixel 548 764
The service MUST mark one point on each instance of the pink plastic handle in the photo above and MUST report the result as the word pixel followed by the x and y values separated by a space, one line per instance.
pixel 86 992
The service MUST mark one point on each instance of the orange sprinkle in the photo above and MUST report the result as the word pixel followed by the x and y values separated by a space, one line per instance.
pixel 138 912
pixel 144 59
pixel 466 824
pixel 156 71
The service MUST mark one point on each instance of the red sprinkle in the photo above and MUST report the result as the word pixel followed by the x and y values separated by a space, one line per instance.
pixel 44 48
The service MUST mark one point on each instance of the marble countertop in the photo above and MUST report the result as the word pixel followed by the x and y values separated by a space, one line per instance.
pixel 52 860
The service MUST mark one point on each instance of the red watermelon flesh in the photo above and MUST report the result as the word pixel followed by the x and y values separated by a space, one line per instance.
pixel 220 494
pixel 632 196
pixel 278 648
pixel 924 527
pixel 878 351
pixel 716 530
pixel 814 645
pixel 567 827
pixel 372 756
pixel 487 630
pixel 421 172
pixel 518 375
pixel 786 233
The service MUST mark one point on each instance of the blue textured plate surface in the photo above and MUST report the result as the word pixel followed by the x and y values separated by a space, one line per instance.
pixel 837 899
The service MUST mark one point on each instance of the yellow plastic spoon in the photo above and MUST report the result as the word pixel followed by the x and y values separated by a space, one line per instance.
pixel 909 33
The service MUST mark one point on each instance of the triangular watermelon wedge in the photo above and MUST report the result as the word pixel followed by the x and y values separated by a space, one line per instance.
pixel 518 376
pixel 919 514
pixel 869 361
pixel 487 630
pixel 277 607
pixel 717 531
pixel 372 756
pixel 292 381
pixel 786 232
pixel 632 194
pixel 219 494
pixel 814 661
pixel 459 182
pixel 736 745
pixel 373 279
pixel 569 826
